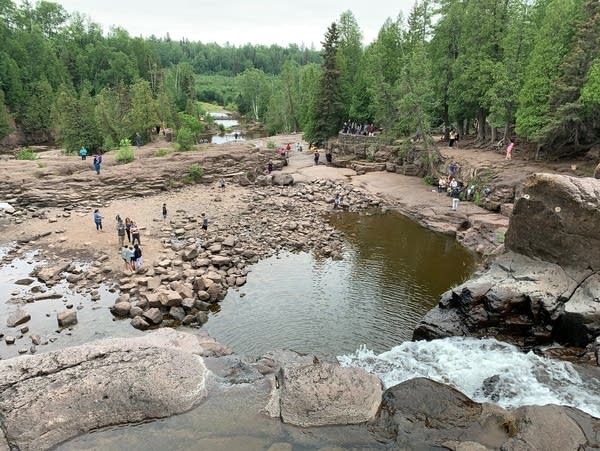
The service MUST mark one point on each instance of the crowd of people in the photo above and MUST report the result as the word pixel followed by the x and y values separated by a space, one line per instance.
pixel 353 128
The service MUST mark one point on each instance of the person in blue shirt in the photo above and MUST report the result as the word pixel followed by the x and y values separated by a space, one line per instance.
pixel 98 220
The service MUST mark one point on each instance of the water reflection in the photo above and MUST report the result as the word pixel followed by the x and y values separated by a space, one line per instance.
pixel 393 271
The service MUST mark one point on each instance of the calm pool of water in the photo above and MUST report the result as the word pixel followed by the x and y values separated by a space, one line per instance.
pixel 392 273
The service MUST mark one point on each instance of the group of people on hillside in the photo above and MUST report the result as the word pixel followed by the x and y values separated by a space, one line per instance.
pixel 97 163
pixel 353 128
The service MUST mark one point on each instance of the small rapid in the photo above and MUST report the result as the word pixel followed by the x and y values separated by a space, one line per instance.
pixel 486 370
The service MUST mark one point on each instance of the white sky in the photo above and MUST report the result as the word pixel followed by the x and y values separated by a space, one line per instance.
pixel 237 21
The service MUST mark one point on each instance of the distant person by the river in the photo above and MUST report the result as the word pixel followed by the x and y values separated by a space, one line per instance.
pixel 204 222
pixel 83 152
pixel 270 167
pixel 97 163
pixel 235 135
pixel 164 212
pixel 337 201
pixel 328 156
pixel 509 149
pixel 452 169
pixel 138 140
pixel 222 183
pixel 98 220
pixel 454 193
pixel 135 233
pixel 316 157
pixel 121 232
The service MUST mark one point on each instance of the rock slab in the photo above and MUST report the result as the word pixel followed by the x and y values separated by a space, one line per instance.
pixel 100 384
pixel 321 394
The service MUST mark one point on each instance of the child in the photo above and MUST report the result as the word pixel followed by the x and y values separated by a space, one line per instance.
pixel 137 257
pixel 509 149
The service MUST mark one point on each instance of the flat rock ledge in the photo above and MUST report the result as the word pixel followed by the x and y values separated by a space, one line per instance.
pixel 46 399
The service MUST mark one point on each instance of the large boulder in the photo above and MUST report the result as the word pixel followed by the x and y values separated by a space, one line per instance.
pixel 556 218
pixel 421 413
pixel 282 179
pixel 516 296
pixel 99 384
pixel 321 394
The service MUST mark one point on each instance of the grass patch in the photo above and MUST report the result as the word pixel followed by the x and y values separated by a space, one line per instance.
pixel 429 180
pixel 42 165
pixel 26 154
pixel 196 172
pixel 271 144
pixel 210 107
pixel 162 152
pixel 125 153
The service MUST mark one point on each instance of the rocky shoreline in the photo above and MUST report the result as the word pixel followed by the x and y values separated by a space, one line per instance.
pixel 166 372
pixel 521 295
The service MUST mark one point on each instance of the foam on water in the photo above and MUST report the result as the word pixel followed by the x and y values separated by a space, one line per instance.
pixel 465 363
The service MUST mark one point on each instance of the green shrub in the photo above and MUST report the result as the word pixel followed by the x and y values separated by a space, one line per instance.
pixel 125 154
pixel 162 152
pixel 429 180
pixel 185 139
pixel 476 197
pixel 195 172
pixel 271 145
pixel 26 154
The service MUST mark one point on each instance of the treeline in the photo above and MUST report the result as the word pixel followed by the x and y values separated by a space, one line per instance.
pixel 60 75
pixel 494 68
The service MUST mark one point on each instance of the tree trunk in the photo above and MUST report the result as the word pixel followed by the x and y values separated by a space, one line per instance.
pixel 494 135
pixel 506 136
pixel 481 117
pixel 446 120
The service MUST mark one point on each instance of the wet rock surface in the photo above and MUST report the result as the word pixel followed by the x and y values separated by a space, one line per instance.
pixel 420 414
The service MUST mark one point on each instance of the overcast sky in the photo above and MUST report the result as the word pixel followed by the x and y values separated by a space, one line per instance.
pixel 238 21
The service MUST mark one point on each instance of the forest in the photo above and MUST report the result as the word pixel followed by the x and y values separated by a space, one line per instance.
pixel 495 69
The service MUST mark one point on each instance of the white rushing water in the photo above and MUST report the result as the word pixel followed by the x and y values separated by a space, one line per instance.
pixel 465 363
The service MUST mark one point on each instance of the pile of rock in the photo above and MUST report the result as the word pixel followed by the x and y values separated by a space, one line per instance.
pixel 196 268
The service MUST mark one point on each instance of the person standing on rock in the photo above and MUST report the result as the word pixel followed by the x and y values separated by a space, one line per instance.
pixel 204 222
pixel 121 231
pixel 98 220
pixel 83 152
pixel 316 157
pixel 137 257
pixel 97 163
pixel 269 168
pixel 135 233
pixel 125 255
pixel 138 140
pixel 164 212
pixel 337 201
pixel 128 228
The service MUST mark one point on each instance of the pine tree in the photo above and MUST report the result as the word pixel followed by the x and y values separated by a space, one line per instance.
pixel 330 108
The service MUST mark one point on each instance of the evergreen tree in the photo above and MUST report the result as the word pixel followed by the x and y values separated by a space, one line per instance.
pixel 568 129
pixel 142 116
pixel 552 42
pixel 5 118
pixel 329 111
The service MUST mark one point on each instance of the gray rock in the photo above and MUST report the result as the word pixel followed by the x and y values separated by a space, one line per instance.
pixel 322 394
pixel 67 318
pixel 177 313
pixel 153 315
pixel 282 179
pixel 121 309
pixel 25 281
pixel 139 323
pixel 120 381
pixel 17 318
pixel 220 260
pixel 9 340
